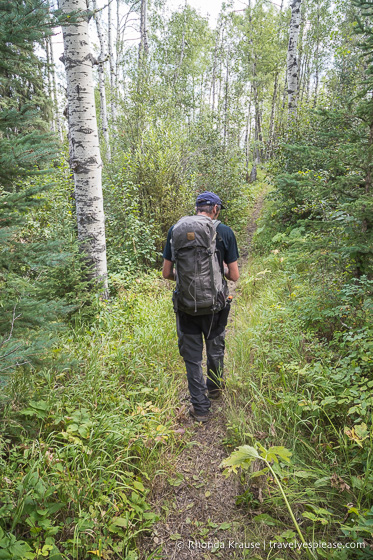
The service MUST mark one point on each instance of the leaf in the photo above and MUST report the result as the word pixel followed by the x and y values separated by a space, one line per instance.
pixel 289 534
pixel 175 537
pixel 314 518
pixel 303 474
pixel 120 522
pixel 36 408
pixel 267 520
pixel 224 526
pixel 255 474
pixel 176 481
pixel 150 516
pixel 322 481
pixel 207 494
pixel 138 485
pixel 243 457
pixel 279 451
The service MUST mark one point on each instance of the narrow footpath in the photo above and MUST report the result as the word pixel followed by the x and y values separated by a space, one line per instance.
pixel 197 504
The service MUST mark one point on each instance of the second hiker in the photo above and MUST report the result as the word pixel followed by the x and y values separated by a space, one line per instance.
pixel 204 252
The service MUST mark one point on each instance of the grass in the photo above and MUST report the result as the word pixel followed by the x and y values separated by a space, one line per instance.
pixel 282 393
pixel 79 446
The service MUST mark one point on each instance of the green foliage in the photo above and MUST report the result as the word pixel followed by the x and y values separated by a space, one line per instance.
pixel 43 278
pixel 78 446
pixel 25 144
pixel 42 274
pixel 306 392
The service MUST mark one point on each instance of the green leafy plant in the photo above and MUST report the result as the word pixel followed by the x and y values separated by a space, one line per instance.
pixel 244 456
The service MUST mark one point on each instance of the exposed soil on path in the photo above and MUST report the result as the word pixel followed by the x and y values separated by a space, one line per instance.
pixel 196 503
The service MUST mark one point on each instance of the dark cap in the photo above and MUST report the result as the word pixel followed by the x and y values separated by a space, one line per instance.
pixel 209 199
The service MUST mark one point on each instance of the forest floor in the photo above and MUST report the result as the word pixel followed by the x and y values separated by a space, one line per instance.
pixel 199 517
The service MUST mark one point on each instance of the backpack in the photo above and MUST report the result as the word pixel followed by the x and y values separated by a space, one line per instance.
pixel 201 288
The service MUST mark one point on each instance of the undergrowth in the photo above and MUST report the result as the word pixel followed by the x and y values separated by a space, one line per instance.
pixel 300 362
pixel 78 447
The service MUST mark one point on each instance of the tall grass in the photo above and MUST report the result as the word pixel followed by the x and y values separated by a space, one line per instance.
pixel 284 391
pixel 78 445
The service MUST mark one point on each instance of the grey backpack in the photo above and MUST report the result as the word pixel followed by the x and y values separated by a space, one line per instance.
pixel 201 288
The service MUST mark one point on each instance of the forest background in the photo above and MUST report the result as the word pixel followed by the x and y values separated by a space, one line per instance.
pixel 275 99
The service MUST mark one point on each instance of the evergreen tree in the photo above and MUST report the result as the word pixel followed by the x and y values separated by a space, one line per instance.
pixel 27 297
pixel 325 195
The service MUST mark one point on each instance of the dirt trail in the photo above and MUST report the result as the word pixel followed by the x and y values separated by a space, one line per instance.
pixel 197 503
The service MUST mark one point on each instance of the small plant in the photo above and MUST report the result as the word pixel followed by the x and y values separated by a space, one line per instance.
pixel 243 458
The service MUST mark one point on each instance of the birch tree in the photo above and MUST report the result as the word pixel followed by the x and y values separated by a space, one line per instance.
pixel 292 60
pixel 85 158
pixel 111 64
pixel 101 80
pixel 143 47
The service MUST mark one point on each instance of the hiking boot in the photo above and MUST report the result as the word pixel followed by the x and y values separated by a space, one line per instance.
pixel 198 417
pixel 217 391
pixel 215 394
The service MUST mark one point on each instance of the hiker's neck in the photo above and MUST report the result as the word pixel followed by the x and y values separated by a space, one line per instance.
pixel 213 216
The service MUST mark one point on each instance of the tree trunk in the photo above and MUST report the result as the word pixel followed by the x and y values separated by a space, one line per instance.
pixel 213 85
pixel 49 81
pixel 253 174
pixel 226 119
pixel 143 47
pixel 85 157
pixel 101 81
pixel 317 58
pixel 111 65
pixel 292 60
pixel 54 88
pixel 271 132
pixel 182 49
pixel 247 140
pixel 117 49
pixel 258 128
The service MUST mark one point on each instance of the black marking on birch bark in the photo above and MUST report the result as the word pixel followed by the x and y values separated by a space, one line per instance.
pixel 84 130
pixel 90 219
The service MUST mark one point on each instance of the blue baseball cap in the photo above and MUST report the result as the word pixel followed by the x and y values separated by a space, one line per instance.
pixel 208 198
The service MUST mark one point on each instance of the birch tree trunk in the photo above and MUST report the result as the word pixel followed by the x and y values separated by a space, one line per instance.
pixel 111 65
pixel 213 85
pixel 118 48
pixel 85 151
pixel 182 49
pixel 292 60
pixel 101 81
pixel 247 139
pixel 271 132
pixel 144 47
pixel 226 118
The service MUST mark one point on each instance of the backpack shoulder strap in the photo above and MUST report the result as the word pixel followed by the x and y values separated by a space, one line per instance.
pixel 216 224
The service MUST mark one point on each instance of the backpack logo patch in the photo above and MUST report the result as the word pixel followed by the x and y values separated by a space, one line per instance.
pixel 191 235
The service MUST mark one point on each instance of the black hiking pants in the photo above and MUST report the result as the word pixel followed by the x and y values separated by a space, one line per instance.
pixel 191 330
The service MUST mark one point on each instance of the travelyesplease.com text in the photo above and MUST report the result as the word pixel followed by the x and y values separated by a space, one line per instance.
pixel 266 545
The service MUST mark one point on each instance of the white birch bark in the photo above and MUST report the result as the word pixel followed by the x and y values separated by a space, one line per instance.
pixel 214 64
pixel 101 81
pixel 111 65
pixel 144 47
pixel 85 150
pixel 292 60
pixel 226 118
pixel 181 58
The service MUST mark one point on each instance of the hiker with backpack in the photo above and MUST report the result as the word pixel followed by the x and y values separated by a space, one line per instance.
pixel 200 254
